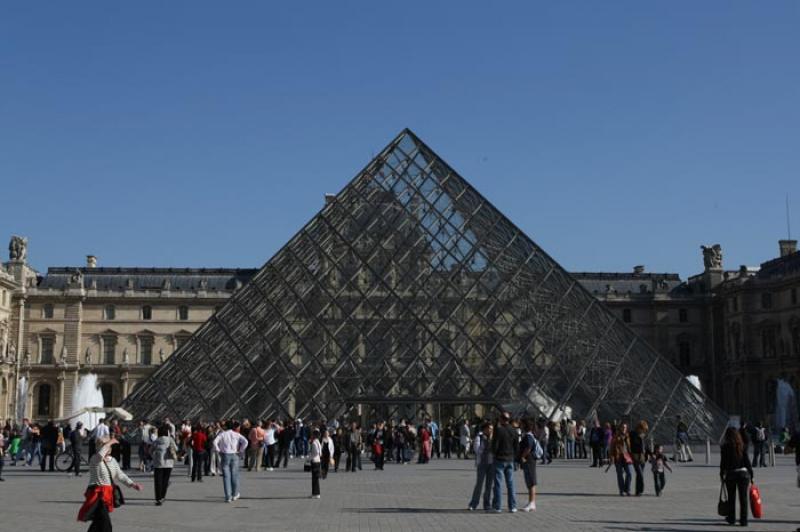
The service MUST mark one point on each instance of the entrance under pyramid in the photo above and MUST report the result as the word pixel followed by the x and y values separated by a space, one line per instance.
pixel 410 294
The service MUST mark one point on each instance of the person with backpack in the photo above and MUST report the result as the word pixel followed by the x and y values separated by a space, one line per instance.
pixel 759 444
pixel 529 452
pixel 483 467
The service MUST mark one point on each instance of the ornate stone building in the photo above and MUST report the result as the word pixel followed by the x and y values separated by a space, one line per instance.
pixel 737 331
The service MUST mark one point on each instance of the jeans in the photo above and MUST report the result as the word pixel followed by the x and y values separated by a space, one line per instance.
pixel 230 474
pixel 638 469
pixel 504 469
pixel 623 477
pixel 758 454
pixel 315 470
pixel 76 462
pixel 198 461
pixel 283 454
pixel 570 449
pixel 484 480
pixel 161 481
pixel 659 480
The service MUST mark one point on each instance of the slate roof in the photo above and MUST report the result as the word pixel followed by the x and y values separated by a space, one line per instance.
pixel 149 278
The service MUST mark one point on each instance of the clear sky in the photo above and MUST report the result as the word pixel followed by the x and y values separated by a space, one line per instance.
pixel 205 133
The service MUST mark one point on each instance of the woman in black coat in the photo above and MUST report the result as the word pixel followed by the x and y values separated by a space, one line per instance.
pixel 736 471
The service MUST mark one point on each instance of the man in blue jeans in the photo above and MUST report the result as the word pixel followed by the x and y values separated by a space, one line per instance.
pixel 230 444
pixel 504 448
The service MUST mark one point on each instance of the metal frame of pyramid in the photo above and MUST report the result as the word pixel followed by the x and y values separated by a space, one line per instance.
pixel 411 288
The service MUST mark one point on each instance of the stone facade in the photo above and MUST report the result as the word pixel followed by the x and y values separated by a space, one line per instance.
pixel 736 331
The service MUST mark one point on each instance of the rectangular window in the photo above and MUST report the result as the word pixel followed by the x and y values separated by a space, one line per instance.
pixel 109 349
pixel 735 303
pixel 147 312
pixel 47 311
pixel 626 315
pixel 110 312
pixel 146 345
pixel 683 315
pixel 183 313
pixel 769 347
pixel 766 300
pixel 684 354
pixel 48 345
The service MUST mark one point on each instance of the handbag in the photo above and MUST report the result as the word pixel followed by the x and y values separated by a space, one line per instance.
pixel 755 501
pixel 119 499
pixel 723 506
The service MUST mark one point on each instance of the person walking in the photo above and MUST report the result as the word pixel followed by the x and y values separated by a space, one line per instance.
pixel 638 439
pixel 198 446
pixel 378 446
pixel 580 440
pixel 759 445
pixel 620 457
pixel 76 442
pixel 163 452
pixel 659 462
pixel 484 468
pixel 354 446
pixel 230 444
pixel 530 451
pixel 315 458
pixel 104 473
pixel 736 471
pixel 464 439
pixel 504 447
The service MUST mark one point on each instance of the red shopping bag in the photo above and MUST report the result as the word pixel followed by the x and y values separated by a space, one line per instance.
pixel 755 501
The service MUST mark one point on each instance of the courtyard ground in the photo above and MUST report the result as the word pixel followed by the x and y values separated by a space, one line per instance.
pixel 430 497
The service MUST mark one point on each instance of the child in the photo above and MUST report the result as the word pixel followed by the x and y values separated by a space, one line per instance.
pixel 14 449
pixel 659 462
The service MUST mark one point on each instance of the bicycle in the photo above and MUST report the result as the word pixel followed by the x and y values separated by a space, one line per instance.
pixel 65 458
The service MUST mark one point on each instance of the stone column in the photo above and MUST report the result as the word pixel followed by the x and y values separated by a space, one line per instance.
pixel 60 406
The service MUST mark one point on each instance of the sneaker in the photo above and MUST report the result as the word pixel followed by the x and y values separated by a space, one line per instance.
pixel 158 503
pixel 497 511
pixel 315 496
pixel 513 510
pixel 530 508
pixel 236 497
pixel 470 508
pixel 227 500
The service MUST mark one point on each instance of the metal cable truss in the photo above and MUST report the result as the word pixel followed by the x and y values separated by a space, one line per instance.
pixel 409 291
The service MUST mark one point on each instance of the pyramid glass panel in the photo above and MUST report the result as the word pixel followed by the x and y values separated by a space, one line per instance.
pixel 410 292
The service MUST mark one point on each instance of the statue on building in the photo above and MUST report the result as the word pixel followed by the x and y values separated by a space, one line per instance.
pixel 18 248
pixel 63 357
pixel 712 257
pixel 27 358
pixel 12 352
pixel 87 357
pixel 76 278
pixel 161 355
pixel 203 284
pixel 125 359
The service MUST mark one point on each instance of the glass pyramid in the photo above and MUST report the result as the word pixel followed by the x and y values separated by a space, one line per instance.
pixel 409 290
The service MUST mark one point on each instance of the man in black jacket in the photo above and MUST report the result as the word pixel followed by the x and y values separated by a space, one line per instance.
pixel 49 444
pixel 504 448
pixel 76 441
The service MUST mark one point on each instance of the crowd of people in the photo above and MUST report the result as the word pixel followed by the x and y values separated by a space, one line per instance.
pixel 498 448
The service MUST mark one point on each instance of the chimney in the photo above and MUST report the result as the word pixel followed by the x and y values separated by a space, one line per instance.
pixel 91 261
pixel 329 198
pixel 787 247
pixel 638 269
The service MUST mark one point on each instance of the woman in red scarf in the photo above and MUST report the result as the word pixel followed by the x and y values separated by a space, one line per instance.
pixel 104 471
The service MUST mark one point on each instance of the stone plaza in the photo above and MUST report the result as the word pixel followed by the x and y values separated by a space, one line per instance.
pixel 433 497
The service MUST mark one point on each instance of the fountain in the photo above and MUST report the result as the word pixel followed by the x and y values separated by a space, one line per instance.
pixel 87 394
pixel 785 406
pixel 22 397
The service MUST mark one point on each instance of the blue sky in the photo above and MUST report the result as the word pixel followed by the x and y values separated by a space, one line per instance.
pixel 205 133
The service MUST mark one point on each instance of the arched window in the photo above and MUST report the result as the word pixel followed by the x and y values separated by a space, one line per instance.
pixel 147 312
pixel 110 312
pixel 47 311
pixel 108 394
pixel 183 313
pixel 43 397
